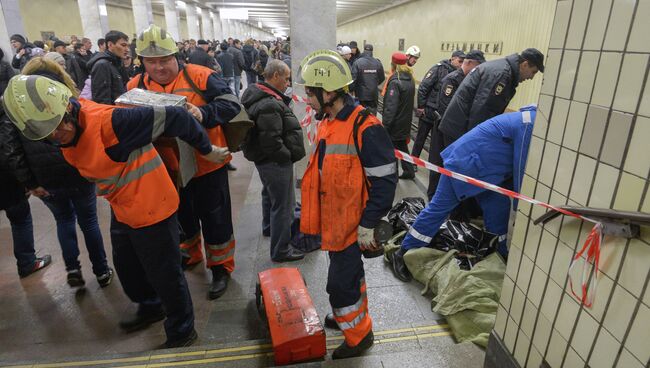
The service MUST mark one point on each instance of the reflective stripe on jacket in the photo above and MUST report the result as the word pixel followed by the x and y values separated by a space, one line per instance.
pixel 139 189
pixel 334 197
pixel 180 86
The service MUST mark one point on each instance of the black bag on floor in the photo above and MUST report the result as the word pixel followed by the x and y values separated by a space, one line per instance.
pixel 472 243
pixel 404 213
pixel 304 242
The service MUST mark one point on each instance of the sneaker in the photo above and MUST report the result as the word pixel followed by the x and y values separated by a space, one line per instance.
pixel 39 263
pixel 75 279
pixel 105 279
pixel 345 351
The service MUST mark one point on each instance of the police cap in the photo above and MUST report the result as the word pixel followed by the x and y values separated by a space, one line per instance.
pixel 534 57
pixel 475 55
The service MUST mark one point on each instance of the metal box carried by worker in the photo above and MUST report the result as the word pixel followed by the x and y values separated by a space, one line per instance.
pixel 296 331
pixel 177 155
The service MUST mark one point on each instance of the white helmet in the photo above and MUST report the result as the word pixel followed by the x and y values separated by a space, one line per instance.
pixel 413 51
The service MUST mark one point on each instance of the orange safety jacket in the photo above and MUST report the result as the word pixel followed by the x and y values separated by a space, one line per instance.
pixel 139 190
pixel 333 200
pixel 180 86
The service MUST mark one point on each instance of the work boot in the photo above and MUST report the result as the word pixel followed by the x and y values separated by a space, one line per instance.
pixel 75 279
pixel 399 267
pixel 181 343
pixel 39 263
pixel 344 351
pixel 144 318
pixel 220 277
pixel 105 279
pixel 330 322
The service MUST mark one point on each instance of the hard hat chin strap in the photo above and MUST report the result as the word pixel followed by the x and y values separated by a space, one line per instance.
pixel 321 101
pixel 73 117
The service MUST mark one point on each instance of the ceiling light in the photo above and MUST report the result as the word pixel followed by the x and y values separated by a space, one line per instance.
pixel 233 13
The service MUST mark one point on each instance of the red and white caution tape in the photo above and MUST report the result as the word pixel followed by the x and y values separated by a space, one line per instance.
pixel 591 246
pixel 309 122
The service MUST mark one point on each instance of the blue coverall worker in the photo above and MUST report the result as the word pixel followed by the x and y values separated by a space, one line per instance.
pixel 495 151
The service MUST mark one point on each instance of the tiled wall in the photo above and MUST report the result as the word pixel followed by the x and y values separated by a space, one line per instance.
pixel 591 147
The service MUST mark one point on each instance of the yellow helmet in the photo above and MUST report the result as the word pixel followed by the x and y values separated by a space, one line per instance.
pixel 324 69
pixel 35 104
pixel 155 42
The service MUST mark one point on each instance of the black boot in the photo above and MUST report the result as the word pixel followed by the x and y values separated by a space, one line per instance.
pixel 330 322
pixel 399 267
pixel 345 351
pixel 144 318
pixel 182 342
pixel 220 278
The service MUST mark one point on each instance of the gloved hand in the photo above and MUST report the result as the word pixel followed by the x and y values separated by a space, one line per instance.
pixel 218 154
pixel 366 238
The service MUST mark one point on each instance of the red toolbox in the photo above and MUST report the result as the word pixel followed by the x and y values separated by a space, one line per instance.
pixel 297 334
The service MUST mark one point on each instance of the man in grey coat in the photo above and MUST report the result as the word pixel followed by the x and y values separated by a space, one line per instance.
pixel 486 91
pixel 238 63
pixel 274 144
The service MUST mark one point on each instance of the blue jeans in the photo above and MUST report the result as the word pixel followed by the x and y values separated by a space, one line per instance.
pixel 78 205
pixel 278 204
pixel 251 77
pixel 237 81
pixel 22 232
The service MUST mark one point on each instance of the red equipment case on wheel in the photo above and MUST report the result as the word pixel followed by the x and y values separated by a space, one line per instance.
pixel 297 334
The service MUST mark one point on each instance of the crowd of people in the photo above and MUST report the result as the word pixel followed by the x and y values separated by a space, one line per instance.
pixel 65 141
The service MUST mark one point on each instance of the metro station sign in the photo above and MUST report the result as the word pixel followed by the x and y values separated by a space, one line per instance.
pixel 488 47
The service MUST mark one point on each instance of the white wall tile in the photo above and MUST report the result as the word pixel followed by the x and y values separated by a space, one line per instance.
pixel 586 76
pixel 630 82
pixel 637 160
pixel 610 63
pixel 641 29
pixel 636 267
pixel 597 23
pixel 558 120
pixel 637 341
pixel 619 313
pixel 578 24
pixel 619 25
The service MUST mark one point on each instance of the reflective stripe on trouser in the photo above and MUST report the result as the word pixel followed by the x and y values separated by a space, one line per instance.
pixel 191 248
pixel 347 290
pixel 205 208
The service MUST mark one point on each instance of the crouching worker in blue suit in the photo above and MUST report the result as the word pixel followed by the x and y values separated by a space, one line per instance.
pixel 495 151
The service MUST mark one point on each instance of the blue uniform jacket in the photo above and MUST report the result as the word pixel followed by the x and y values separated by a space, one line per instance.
pixel 494 151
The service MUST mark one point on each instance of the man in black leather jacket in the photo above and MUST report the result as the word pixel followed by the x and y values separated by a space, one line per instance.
pixel 107 72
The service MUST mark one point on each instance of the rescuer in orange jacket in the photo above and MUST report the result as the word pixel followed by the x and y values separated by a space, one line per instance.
pixel 111 147
pixel 205 200
pixel 349 185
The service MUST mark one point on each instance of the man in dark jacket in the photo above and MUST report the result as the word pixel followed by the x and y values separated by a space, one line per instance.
pixel 72 66
pixel 368 74
pixel 398 108
pixel 107 72
pixel 487 90
pixel 274 144
pixel 448 87
pixel 200 55
pixel 14 201
pixel 226 61
pixel 251 55
pixel 23 51
pixel 238 63
pixel 428 101
pixel 355 54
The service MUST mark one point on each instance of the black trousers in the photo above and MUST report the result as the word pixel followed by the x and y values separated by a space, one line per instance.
pixel 424 128
pixel 407 167
pixel 148 263
pixel 437 144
